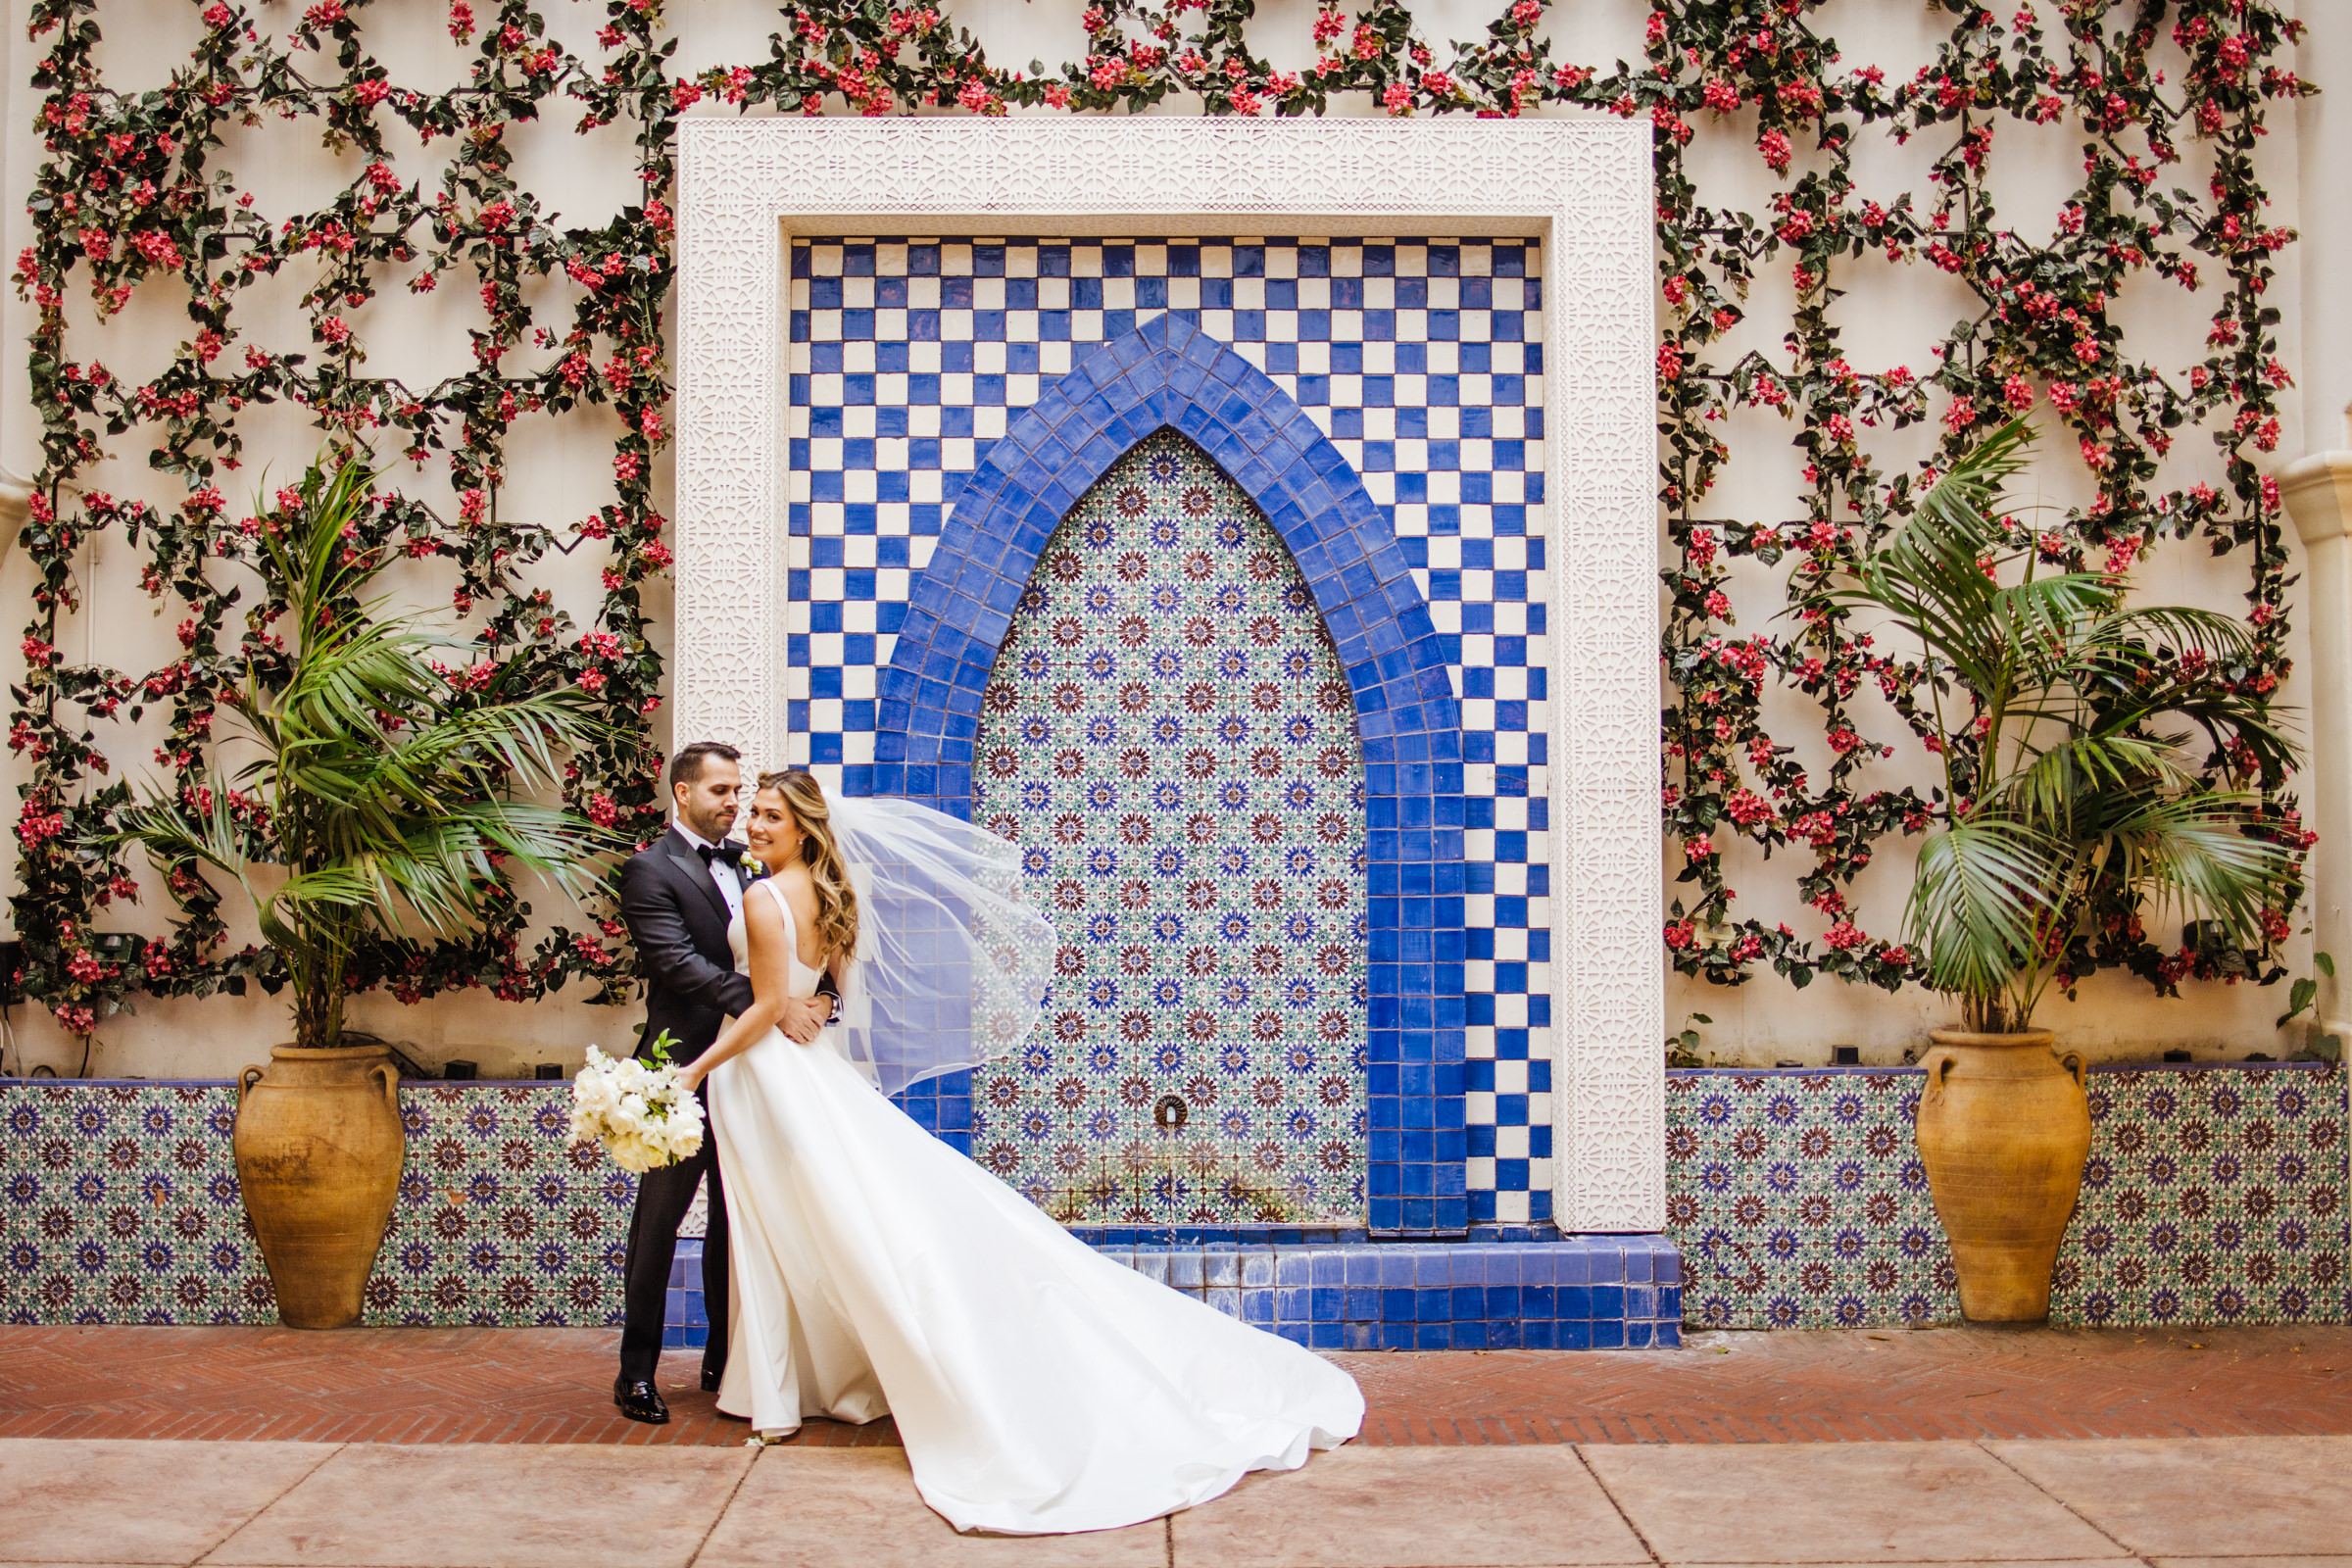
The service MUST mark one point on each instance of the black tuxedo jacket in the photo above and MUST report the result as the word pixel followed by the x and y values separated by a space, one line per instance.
pixel 679 922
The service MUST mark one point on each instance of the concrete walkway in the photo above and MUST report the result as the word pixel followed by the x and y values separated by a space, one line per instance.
pixel 2267 1502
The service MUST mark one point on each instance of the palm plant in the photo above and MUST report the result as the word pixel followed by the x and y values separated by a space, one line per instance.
pixel 2071 795
pixel 382 790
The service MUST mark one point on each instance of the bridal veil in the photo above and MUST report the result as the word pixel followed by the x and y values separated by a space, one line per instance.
pixel 953 964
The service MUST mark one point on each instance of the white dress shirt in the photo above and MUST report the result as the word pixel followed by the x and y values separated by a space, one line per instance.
pixel 730 885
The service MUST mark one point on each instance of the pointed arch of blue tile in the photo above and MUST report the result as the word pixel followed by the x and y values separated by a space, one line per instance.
pixel 1171 373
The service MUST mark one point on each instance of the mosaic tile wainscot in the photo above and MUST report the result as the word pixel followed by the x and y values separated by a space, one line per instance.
pixel 2212 1194
pixel 119 1204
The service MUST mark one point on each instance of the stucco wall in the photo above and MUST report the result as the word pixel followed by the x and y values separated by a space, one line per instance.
pixel 1889 316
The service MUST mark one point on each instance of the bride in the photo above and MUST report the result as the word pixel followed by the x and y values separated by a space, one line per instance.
pixel 1039 1387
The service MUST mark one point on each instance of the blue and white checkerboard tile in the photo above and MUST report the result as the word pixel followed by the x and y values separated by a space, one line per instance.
pixel 1420 359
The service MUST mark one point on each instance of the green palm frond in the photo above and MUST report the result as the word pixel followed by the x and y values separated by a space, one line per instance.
pixel 172 834
pixel 1930 576
pixel 2181 627
pixel 444 868
pixel 2072 776
pixel 1973 908
pixel 389 792
pixel 2196 856
pixel 1962 500
pixel 2082 778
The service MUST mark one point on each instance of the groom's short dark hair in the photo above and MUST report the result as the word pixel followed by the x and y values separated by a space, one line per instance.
pixel 687 765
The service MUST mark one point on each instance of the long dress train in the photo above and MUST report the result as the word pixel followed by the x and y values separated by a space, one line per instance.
pixel 1039 1387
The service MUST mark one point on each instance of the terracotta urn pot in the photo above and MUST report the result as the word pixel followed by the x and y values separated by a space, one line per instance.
pixel 2004 1126
pixel 320 1147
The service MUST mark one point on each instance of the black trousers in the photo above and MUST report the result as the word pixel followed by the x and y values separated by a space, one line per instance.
pixel 663 1198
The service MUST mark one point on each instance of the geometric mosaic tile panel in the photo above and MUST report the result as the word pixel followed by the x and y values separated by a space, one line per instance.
pixel 499 1222
pixel 1170 735
pixel 2212 1194
pixel 1799 1201
pixel 118 1204
pixel 1421 360
pixel 2211 1197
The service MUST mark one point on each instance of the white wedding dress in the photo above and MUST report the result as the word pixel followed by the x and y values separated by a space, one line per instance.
pixel 1039 1387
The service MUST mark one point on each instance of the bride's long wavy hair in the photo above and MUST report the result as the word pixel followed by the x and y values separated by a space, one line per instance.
pixel 820 852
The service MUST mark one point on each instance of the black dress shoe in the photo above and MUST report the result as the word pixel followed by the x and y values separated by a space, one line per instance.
pixel 709 1381
pixel 640 1400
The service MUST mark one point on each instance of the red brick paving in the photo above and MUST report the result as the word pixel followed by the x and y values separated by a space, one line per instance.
pixel 553 1386
pixel 1854 1387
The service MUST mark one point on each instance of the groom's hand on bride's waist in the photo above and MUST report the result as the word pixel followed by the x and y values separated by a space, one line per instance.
pixel 805 1017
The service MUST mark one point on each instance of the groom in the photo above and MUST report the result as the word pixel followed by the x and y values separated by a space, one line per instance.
pixel 678 895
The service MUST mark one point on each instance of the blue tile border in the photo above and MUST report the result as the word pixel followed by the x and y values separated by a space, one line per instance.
pixel 2096 1067
pixel 1578 1293
pixel 1172 375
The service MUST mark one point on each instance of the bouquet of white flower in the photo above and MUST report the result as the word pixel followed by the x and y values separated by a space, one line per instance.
pixel 636 1110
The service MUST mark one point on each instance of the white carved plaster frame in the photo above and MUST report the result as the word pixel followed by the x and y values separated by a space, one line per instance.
pixel 1581 186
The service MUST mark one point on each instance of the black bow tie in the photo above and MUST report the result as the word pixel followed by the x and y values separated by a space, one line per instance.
pixel 719 851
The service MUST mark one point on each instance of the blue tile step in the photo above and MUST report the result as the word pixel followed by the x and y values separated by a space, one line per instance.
pixel 1572 1292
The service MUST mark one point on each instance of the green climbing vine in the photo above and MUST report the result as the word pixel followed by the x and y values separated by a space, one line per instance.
pixel 133 194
